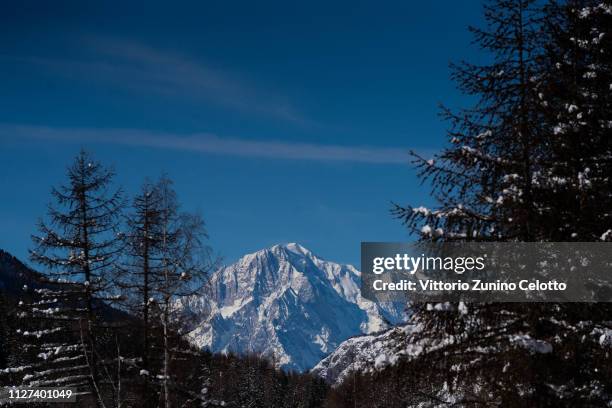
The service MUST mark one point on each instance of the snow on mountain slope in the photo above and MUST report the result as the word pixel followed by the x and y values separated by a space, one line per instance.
pixel 285 303
pixel 368 353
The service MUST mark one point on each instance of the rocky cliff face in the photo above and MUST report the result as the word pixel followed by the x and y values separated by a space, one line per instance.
pixel 287 304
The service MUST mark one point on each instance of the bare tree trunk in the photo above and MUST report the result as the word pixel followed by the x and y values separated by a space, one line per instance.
pixel 118 373
pixel 166 356
pixel 145 314
pixel 94 382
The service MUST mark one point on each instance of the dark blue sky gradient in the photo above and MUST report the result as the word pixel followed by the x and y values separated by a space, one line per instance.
pixel 279 122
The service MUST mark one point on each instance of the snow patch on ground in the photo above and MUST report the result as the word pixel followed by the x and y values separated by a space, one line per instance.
pixel 533 345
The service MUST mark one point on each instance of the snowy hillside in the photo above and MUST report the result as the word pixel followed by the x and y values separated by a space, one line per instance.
pixel 286 303
pixel 367 353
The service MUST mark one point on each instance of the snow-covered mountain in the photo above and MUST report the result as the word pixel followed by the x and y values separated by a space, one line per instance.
pixel 367 353
pixel 285 303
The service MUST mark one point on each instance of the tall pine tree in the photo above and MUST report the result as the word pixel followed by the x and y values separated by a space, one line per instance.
pixel 520 167
pixel 77 246
pixel 166 260
pixel 140 273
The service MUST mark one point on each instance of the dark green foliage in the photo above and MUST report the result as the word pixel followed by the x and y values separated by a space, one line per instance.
pixel 529 162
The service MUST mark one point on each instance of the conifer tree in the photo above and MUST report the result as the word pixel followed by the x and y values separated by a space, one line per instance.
pixel 77 245
pixel 185 263
pixel 482 182
pixel 140 272
pixel 519 168
pixel 166 260
pixel 576 95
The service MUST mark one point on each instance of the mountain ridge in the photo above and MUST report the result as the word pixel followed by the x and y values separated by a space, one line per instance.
pixel 286 303
pixel 368 353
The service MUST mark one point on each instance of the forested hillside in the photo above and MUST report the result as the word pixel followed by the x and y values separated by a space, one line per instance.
pixel 128 293
pixel 102 318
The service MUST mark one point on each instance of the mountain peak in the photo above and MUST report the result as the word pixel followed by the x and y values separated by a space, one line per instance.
pixel 295 247
pixel 277 249
pixel 283 301
pixel 292 248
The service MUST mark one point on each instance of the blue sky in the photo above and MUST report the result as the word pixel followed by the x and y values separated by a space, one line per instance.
pixel 278 121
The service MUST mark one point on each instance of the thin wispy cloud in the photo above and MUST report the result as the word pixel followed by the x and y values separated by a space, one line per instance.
pixel 134 65
pixel 208 144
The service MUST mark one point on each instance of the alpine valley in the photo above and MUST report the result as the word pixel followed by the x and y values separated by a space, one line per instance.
pixel 287 304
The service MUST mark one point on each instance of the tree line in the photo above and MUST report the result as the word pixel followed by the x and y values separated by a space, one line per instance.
pixel 104 318
pixel 529 161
